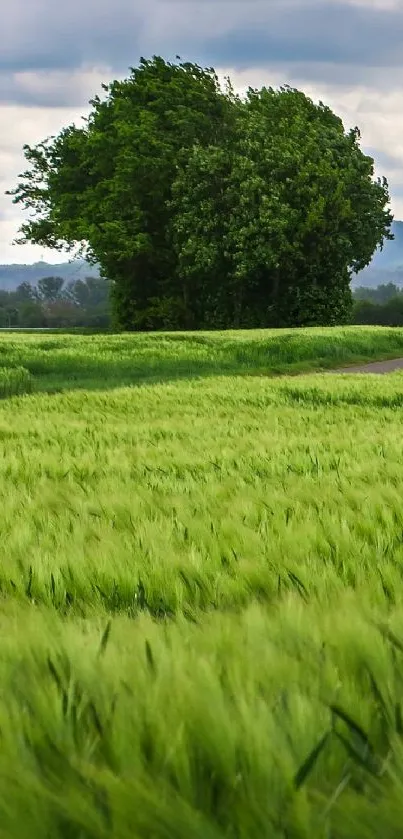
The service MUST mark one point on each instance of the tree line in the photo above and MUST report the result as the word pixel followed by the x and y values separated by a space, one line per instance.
pixel 206 209
pixel 380 306
pixel 54 304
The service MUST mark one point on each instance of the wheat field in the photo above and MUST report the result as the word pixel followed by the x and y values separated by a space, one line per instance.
pixel 201 584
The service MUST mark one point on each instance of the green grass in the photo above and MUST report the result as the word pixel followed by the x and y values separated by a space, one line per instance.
pixel 59 361
pixel 201 583
pixel 14 381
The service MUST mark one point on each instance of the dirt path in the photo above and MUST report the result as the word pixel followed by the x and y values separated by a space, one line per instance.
pixel 374 367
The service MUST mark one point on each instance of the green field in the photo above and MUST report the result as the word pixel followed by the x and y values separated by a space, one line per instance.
pixel 201 584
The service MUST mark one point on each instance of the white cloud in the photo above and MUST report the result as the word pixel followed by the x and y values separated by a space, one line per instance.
pixel 54 88
pixel 24 125
pixel 31 124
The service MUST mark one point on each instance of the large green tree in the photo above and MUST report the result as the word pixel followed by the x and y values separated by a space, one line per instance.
pixel 207 210
pixel 269 229
pixel 107 185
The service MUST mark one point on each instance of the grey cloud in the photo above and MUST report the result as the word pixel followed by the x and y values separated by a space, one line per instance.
pixel 227 32
pixel 335 34
pixel 46 35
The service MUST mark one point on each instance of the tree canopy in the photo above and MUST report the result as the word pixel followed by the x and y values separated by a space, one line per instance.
pixel 209 210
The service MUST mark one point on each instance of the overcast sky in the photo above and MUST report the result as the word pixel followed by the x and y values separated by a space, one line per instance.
pixel 54 57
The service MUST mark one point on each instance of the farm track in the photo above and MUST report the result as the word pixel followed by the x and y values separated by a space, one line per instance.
pixel 379 367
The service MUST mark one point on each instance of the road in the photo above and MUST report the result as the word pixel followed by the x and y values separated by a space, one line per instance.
pixel 374 367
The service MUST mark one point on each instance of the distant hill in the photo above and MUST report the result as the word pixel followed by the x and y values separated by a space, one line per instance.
pixel 12 276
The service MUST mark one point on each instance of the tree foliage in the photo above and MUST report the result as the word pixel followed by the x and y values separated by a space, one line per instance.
pixel 49 289
pixel 286 216
pixel 205 210
pixel 379 294
pixel 379 306
pixel 388 313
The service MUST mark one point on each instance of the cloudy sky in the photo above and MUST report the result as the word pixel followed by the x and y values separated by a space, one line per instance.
pixel 54 57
